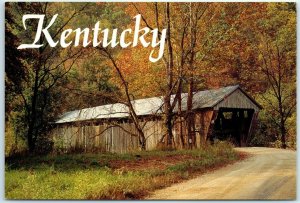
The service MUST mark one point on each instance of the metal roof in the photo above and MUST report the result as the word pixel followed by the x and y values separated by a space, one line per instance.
pixel 148 106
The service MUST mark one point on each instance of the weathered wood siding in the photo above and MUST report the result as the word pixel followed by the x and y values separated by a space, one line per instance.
pixel 237 100
pixel 88 136
pixel 102 137
pixel 202 124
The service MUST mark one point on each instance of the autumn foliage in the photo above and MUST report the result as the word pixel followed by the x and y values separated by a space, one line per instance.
pixel 208 45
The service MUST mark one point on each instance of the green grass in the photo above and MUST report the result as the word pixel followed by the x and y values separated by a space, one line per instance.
pixel 89 176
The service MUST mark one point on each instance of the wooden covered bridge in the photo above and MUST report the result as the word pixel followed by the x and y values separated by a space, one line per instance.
pixel 226 113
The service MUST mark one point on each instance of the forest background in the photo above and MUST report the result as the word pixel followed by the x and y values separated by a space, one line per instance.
pixel 208 45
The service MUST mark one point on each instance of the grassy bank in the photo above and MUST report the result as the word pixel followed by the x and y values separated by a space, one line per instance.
pixel 109 176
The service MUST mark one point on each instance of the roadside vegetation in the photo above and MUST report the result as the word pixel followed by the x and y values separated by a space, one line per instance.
pixel 109 176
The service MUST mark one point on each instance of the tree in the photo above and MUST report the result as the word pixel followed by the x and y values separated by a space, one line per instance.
pixel 277 57
pixel 273 39
pixel 90 82
pixel 120 20
pixel 261 56
pixel 43 68
pixel 194 31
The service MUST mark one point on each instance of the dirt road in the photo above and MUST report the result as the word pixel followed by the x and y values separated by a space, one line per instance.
pixel 267 174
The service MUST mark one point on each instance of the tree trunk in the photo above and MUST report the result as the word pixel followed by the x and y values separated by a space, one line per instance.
pixel 282 117
pixel 167 100
pixel 142 140
pixel 169 132
pixel 181 135
pixel 190 116
pixel 132 112
pixel 30 142
pixel 283 134
pixel 168 121
pixel 32 115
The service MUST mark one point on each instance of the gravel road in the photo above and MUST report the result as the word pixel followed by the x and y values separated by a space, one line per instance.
pixel 267 174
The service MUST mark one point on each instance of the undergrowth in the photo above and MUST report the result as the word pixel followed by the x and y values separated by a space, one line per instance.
pixel 90 176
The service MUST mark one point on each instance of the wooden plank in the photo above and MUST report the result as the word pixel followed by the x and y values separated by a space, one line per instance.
pixel 237 100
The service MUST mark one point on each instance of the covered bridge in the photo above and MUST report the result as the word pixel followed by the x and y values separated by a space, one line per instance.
pixel 226 113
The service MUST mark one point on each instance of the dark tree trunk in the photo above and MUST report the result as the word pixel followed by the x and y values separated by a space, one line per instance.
pixel 168 108
pixel 282 118
pixel 190 113
pixel 181 135
pixel 168 121
pixel 32 114
pixel 30 142
pixel 190 116
pixel 283 134
pixel 142 141
pixel 169 132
